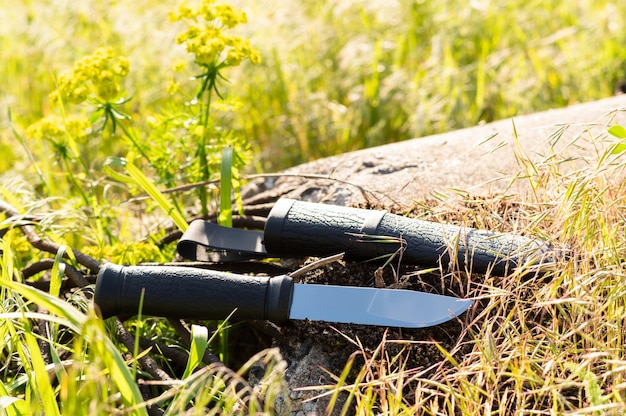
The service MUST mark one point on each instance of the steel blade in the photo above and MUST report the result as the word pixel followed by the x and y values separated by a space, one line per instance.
pixel 371 306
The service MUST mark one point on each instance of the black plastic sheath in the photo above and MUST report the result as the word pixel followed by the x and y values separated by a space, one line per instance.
pixel 313 229
pixel 191 293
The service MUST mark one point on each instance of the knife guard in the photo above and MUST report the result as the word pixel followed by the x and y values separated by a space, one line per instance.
pixel 304 228
pixel 190 293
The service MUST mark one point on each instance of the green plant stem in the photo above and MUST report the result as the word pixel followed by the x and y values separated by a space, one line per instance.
pixel 204 174
pixel 134 141
pixel 73 180
pixel 206 93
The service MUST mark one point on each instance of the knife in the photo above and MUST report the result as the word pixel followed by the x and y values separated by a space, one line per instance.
pixel 192 293
pixel 299 228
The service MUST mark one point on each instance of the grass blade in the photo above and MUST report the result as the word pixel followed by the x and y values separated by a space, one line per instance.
pixel 142 180
pixel 12 406
pixel 145 183
pixel 199 343
pixel 58 269
pixel 618 131
pixel 102 345
pixel 39 378
pixel 31 158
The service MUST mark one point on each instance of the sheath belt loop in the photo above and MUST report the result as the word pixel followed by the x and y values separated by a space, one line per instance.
pixel 206 241
pixel 371 222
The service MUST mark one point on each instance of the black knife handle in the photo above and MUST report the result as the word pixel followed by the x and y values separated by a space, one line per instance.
pixel 191 293
pixel 305 228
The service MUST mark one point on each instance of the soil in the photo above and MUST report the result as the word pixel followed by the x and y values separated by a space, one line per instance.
pixel 317 351
pixel 340 339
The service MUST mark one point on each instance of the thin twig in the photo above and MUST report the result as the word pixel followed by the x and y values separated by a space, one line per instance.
pixel 316 265
pixel 195 185
pixel 42 340
pixel 145 360
pixel 169 238
pixel 44 284
pixel 146 393
pixel 175 354
pixel 74 275
pixel 271 329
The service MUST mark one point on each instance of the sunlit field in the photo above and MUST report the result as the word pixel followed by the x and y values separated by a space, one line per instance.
pixel 120 121
pixel 337 75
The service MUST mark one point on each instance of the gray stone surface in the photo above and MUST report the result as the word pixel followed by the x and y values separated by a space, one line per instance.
pixel 478 160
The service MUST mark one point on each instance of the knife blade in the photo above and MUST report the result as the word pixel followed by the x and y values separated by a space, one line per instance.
pixel 192 293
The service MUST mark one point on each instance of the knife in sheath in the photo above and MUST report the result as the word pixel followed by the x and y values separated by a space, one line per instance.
pixel 300 229
pixel 193 293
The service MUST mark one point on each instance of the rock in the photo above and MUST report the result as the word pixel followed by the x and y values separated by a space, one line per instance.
pixel 307 369
pixel 478 160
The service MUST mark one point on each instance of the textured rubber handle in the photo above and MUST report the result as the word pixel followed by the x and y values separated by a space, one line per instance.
pixel 191 293
pixel 313 229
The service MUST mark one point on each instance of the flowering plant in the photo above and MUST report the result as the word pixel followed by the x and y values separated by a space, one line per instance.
pixel 94 87
pixel 208 39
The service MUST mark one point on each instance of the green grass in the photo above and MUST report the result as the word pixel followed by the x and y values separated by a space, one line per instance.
pixel 340 75
pixel 335 76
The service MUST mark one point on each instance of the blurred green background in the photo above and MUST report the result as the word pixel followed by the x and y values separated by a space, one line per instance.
pixel 336 75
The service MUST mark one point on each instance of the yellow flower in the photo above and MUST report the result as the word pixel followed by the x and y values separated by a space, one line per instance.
pixel 229 16
pixel 104 76
pixel 198 131
pixel 173 87
pixel 183 11
pixel 179 65
pixel 59 129
pixel 121 67
pixel 240 50
pixel 99 73
pixel 77 127
pixel 205 37
pixel 128 253
pixel 108 90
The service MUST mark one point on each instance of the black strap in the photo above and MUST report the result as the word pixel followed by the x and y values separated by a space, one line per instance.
pixel 206 241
